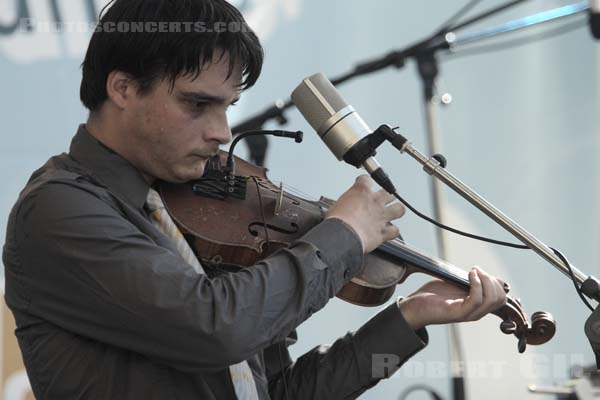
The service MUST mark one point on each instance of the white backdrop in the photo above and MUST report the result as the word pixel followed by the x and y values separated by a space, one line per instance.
pixel 522 130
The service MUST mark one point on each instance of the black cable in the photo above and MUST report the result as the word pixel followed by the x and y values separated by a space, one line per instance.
pixel 457 15
pixel 577 287
pixel 486 14
pixel 498 242
pixel 508 44
pixel 398 141
pixel 457 231
pixel 434 395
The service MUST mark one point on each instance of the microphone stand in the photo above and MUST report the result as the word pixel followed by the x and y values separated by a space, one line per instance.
pixel 587 285
pixel 424 52
pixel 428 69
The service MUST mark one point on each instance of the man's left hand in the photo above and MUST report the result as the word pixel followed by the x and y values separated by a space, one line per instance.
pixel 439 302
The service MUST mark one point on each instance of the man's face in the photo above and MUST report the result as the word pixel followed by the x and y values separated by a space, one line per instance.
pixel 172 133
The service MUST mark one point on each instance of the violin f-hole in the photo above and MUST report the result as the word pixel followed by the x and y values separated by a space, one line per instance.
pixel 254 230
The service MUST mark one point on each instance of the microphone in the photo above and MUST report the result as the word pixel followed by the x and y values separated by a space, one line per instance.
pixel 595 18
pixel 337 123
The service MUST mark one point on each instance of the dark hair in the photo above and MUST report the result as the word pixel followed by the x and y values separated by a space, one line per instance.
pixel 195 30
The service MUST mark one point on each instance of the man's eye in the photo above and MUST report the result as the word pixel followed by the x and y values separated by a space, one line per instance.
pixel 198 106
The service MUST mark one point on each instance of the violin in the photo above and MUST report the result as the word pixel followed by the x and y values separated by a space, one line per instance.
pixel 256 218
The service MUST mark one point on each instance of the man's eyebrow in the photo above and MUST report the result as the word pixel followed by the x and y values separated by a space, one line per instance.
pixel 206 97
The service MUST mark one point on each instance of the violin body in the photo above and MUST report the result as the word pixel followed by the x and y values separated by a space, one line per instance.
pixel 234 222
pixel 284 218
pixel 249 229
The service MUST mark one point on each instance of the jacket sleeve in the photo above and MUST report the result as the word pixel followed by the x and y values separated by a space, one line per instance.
pixel 82 266
pixel 351 365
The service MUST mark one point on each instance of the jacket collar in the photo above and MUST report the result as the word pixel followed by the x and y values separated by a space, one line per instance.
pixel 109 168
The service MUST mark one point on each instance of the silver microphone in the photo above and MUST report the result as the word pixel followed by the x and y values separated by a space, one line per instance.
pixel 336 122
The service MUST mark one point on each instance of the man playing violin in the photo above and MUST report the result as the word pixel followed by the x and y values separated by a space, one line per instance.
pixel 108 307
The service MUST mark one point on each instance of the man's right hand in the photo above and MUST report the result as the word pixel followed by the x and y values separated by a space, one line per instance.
pixel 368 212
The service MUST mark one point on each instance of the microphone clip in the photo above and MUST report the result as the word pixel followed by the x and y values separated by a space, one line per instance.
pixel 219 183
pixel 367 146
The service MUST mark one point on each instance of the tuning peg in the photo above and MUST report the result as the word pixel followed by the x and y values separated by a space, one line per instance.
pixel 522 344
pixel 508 327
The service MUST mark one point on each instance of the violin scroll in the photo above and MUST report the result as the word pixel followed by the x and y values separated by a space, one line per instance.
pixel 514 321
pixel 543 328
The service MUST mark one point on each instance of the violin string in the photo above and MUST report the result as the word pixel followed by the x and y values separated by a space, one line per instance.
pixel 300 194
pixel 302 197
pixel 262 213
pixel 296 192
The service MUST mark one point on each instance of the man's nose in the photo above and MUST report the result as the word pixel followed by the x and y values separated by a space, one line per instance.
pixel 220 130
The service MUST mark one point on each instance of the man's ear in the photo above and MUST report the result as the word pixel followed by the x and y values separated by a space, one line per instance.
pixel 120 88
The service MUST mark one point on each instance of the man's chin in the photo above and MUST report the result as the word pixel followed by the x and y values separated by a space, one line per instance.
pixel 188 175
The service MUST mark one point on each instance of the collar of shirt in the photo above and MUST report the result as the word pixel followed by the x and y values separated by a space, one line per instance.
pixel 112 170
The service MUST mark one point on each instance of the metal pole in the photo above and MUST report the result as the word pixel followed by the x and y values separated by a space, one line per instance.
pixel 432 167
pixel 518 24
pixel 428 71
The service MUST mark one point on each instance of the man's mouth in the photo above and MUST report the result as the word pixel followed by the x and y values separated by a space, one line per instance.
pixel 206 155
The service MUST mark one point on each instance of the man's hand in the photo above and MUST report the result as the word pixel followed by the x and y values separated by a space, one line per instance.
pixel 368 212
pixel 439 302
